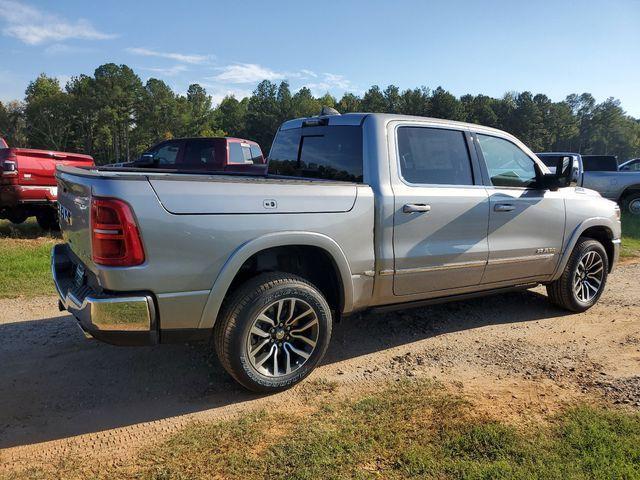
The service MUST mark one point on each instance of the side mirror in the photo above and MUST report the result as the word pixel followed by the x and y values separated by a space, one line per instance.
pixel 568 171
pixel 145 160
pixel 566 174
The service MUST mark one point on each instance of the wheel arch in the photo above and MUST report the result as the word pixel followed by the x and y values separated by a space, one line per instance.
pixel 232 269
pixel 599 228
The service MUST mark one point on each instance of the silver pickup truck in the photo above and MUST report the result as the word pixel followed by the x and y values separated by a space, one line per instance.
pixel 621 186
pixel 359 211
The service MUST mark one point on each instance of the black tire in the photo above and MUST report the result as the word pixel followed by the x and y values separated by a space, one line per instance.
pixel 48 220
pixel 631 204
pixel 561 292
pixel 232 329
pixel 17 217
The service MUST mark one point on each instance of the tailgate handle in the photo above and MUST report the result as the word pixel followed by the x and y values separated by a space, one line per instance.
pixel 58 155
pixel 415 208
pixel 504 207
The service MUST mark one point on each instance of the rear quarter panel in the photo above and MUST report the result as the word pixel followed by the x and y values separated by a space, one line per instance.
pixel 185 253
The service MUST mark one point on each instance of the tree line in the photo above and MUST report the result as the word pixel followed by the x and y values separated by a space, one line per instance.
pixel 114 116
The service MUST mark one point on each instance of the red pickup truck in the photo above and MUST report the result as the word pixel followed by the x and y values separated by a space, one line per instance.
pixel 209 154
pixel 28 185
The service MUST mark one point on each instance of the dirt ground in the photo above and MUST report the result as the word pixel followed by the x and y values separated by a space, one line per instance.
pixel 514 356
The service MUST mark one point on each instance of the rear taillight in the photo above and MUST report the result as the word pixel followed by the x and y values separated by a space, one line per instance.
pixel 9 168
pixel 115 238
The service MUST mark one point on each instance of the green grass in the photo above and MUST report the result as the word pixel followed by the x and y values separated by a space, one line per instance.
pixel 25 250
pixel 630 236
pixel 410 430
pixel 24 260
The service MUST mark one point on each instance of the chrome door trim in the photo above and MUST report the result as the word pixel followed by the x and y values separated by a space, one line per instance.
pixel 524 258
pixel 446 266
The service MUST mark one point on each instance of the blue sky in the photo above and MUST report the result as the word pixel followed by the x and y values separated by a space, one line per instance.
pixel 491 47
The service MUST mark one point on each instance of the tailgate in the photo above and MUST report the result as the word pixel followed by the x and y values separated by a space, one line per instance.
pixel 37 167
pixel 74 211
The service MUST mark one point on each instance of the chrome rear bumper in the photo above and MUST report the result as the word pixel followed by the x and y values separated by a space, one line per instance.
pixel 120 319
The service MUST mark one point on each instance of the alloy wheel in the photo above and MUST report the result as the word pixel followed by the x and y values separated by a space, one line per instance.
pixel 587 279
pixel 282 337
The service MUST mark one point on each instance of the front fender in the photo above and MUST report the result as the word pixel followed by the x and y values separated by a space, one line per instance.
pixel 608 223
pixel 279 239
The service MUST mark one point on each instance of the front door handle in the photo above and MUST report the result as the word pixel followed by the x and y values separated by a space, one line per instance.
pixel 416 207
pixel 504 207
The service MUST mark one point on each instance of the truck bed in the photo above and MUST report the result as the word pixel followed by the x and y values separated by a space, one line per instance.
pixel 191 225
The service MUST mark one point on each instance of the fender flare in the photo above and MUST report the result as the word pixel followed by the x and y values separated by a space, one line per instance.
pixel 575 235
pixel 279 239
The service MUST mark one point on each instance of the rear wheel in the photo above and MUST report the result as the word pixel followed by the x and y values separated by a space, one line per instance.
pixel 273 332
pixel 583 279
pixel 48 220
pixel 17 217
pixel 631 204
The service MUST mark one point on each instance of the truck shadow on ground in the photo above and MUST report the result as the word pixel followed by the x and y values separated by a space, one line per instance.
pixel 56 384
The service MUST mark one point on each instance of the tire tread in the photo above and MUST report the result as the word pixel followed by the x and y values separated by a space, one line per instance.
pixel 228 321
pixel 560 291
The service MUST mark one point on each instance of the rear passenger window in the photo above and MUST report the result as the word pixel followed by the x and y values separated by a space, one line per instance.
pixel 200 154
pixel 327 152
pixel 434 156
pixel 240 152
pixel 236 153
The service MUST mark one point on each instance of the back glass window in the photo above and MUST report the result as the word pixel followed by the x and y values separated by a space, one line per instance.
pixel 325 152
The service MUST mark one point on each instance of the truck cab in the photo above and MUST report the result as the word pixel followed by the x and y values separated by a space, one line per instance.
pixel 223 154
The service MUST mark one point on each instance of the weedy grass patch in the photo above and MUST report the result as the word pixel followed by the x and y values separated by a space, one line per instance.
pixel 630 236
pixel 25 252
pixel 409 430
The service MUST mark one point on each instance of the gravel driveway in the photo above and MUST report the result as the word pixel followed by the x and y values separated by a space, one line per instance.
pixel 61 394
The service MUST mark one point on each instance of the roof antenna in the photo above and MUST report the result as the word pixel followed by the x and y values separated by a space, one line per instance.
pixel 326 111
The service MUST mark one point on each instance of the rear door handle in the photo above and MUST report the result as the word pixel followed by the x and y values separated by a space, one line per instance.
pixel 416 207
pixel 504 207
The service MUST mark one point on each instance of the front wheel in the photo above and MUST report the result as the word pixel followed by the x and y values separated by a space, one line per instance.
pixel 583 279
pixel 273 332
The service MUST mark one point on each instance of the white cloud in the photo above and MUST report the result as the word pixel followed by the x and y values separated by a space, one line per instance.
pixel 328 82
pixel 34 27
pixel 169 71
pixel 218 94
pixel 218 91
pixel 240 73
pixel 178 57
pixel 247 73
